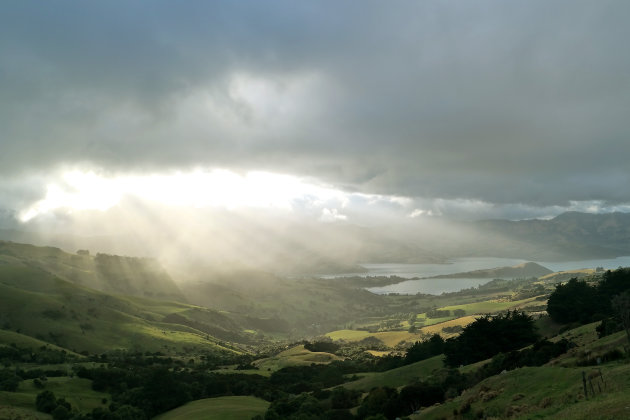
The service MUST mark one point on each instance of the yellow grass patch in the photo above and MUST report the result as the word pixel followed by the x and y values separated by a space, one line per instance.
pixel 587 271
pixel 295 356
pixel 348 335
pixel 437 328
pixel 378 353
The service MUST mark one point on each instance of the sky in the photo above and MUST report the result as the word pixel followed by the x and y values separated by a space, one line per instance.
pixel 352 111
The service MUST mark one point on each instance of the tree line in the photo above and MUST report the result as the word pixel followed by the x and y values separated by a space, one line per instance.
pixel 607 300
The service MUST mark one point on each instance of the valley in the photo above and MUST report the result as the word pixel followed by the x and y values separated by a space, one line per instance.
pixel 76 315
pixel 322 210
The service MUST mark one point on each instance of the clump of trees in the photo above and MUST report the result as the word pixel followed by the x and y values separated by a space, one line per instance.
pixel 43 355
pixel 490 335
pixel 437 313
pixel 422 350
pixel 608 301
pixel 322 346
pixel 9 381
pixel 59 408
pixel 575 301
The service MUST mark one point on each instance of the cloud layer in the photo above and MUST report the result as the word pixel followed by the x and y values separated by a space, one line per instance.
pixel 512 105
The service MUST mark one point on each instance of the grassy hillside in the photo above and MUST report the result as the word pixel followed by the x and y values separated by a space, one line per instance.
pixel 10 413
pixel 107 273
pixel 562 276
pixel 524 270
pixel 220 408
pixel 491 306
pixel 295 356
pixel 255 300
pixel 396 377
pixel 48 309
pixel 542 392
pixel 298 306
pixel 78 392
pixel 551 391
pixel 24 341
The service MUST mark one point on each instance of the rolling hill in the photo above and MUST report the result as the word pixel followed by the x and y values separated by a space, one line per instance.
pixel 107 273
pixel 524 270
pixel 103 302
pixel 38 304
pixel 78 302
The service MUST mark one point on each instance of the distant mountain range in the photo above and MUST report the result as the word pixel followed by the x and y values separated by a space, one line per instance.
pixel 571 235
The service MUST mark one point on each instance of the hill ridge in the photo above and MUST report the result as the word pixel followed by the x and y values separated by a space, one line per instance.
pixel 528 269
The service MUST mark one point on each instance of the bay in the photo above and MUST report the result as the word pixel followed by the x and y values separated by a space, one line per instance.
pixel 459 265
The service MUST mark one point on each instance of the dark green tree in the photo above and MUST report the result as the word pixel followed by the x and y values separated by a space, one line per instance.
pixel 488 336
pixel 344 398
pixel 380 401
pixel 574 301
pixel 621 305
pixel 45 401
pixel 9 381
pixel 61 412
pixel 422 350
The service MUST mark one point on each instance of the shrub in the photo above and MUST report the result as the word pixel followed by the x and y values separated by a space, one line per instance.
pixel 608 326
pixel 9 381
pixel 45 401
pixel 60 413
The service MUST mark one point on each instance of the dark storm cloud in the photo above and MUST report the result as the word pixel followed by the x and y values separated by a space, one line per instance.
pixel 503 102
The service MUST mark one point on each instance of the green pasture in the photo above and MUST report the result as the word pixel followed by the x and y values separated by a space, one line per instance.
pixel 432 321
pixel 19 413
pixel 295 356
pixel 55 311
pixel 77 391
pixel 397 377
pixel 348 335
pixel 489 306
pixel 220 408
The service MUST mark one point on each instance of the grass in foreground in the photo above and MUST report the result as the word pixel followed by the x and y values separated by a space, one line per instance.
pixel 11 413
pixel 540 392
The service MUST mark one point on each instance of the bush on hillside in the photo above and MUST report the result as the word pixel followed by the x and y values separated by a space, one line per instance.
pixel 9 381
pixel 322 346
